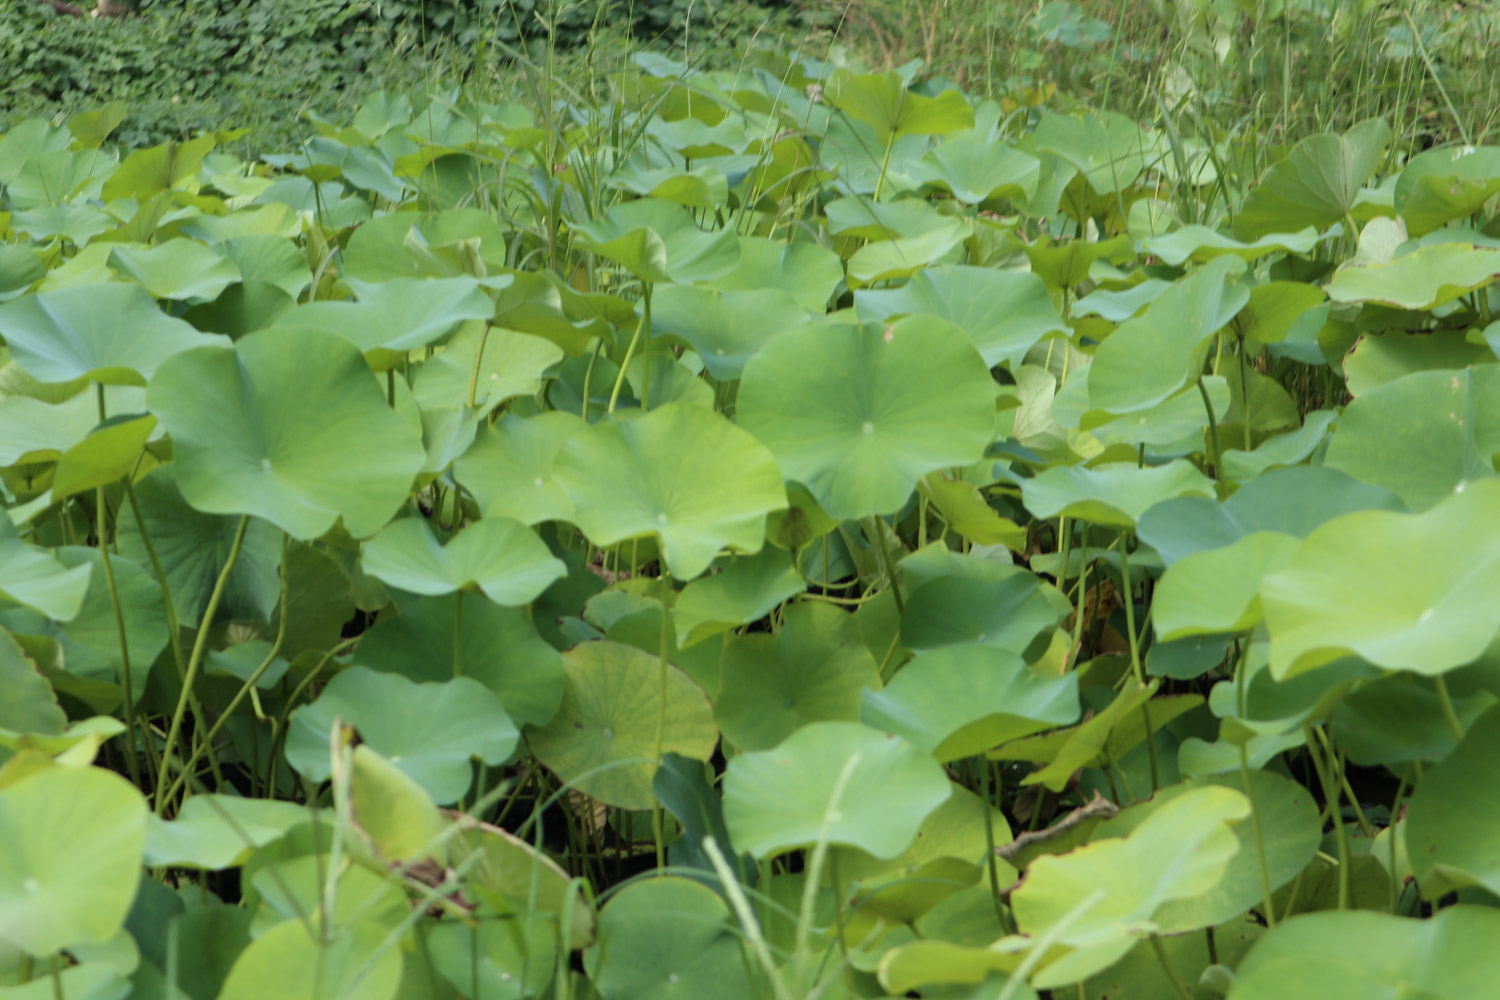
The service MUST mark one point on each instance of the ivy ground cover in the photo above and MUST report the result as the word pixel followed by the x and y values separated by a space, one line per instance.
pixel 792 534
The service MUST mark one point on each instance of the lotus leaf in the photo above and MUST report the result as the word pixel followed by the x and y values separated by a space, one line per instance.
pixel 503 558
pixel 290 426
pixel 859 414
pixel 834 782
pixel 430 731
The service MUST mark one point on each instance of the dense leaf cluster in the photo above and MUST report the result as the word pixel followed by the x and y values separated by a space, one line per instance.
pixel 786 533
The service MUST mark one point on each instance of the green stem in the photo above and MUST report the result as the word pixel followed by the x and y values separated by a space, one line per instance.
pixel 1241 666
pixel 484 337
pixel 1213 436
pixel 1333 796
pixel 658 821
pixel 1450 716
pixel 646 351
pixel 588 377
pixel 458 634
pixel 200 649
pixel 873 525
pixel 614 394
pixel 174 628
pixel 1135 658
pixel 247 688
pixel 989 843
pixel 1161 959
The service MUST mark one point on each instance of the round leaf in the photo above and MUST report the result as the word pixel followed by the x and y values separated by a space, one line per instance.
pixel 839 782
pixel 71 842
pixel 430 731
pixel 859 414
pixel 503 558
pixel 681 473
pixel 602 741
pixel 290 426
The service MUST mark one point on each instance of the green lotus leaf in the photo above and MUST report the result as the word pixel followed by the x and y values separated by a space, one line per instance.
pixel 1283 449
pixel 1106 736
pixel 931 961
pixel 603 740
pixel 36 579
pixel 30 706
pixel 1401 591
pixel 20 268
pixel 394 812
pixel 78 224
pixel 1440 185
pixel 948 851
pixel 90 641
pixel 974 170
pixel 37 430
pixel 288 961
pixel 842 783
pixel 812 670
pixel 668 937
pixel 1423 279
pixel 859 414
pixel 110 333
pixel 509 469
pixel 1010 613
pixel 743 591
pixel 446 244
pixel 882 101
pixel 496 957
pixel 1360 953
pixel 1066 264
pixel 1316 185
pixel 659 241
pixel 1218 590
pixel 1378 360
pixel 109 453
pixel 701 187
pixel 1289 827
pixel 883 220
pixel 1292 501
pixel 71 843
pixel 213 832
pixel 1117 306
pixel 963 700
pixel 1449 829
pixel 394 317
pixel 290 426
pixel 1115 495
pixel 725 328
pixel 1109 150
pixel 522 875
pixel 963 508
pixel 167 167
pixel 269 259
pixel 503 558
pixel 430 731
pixel 1181 850
pixel 680 473
pixel 497 646
pixel 1165 425
pixel 177 269
pixel 1399 718
pixel 802 269
pixel 192 548
pixel 696 139
pixel 512 365
pixel 1005 313
pixel 883 260
pixel 1147 359
pixel 1424 436
pixel 1274 309
pixel 1200 244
